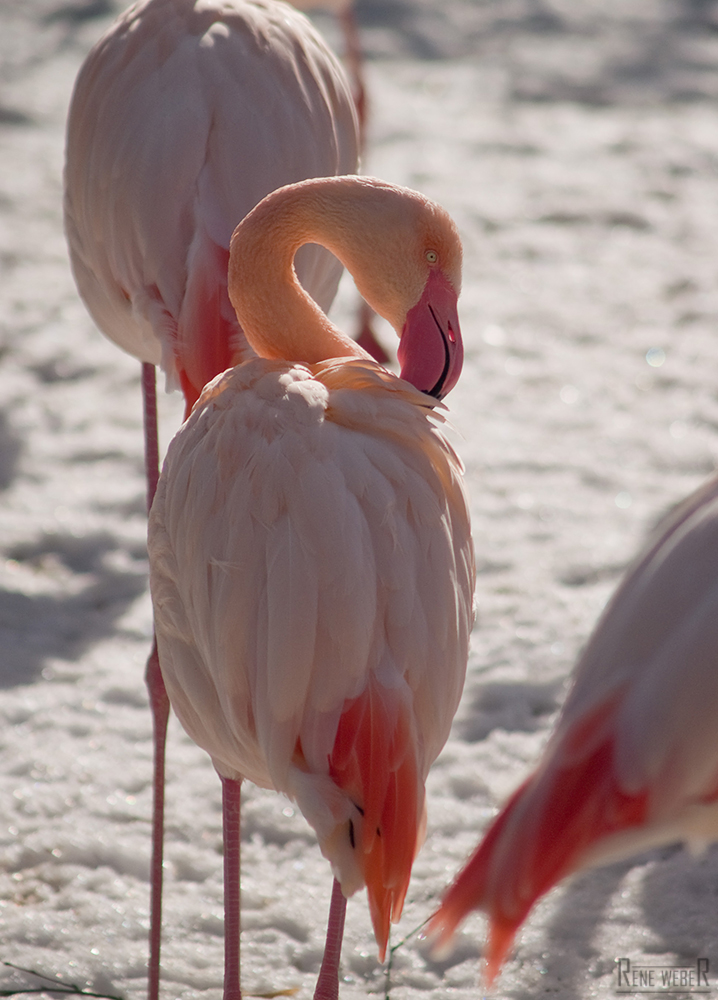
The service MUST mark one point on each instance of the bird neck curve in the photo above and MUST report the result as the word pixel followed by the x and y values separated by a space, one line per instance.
pixel 278 317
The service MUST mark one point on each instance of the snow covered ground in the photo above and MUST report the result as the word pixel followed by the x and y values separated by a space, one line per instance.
pixel 576 144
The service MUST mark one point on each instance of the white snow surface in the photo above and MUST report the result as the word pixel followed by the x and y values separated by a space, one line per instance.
pixel 575 142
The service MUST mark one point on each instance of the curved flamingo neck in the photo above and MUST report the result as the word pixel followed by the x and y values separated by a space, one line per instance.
pixel 279 319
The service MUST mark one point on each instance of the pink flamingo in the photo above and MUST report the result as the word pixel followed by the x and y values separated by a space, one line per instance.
pixel 184 115
pixel 311 562
pixel 633 761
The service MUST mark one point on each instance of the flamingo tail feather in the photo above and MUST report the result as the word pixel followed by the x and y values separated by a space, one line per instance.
pixel 540 836
pixel 374 761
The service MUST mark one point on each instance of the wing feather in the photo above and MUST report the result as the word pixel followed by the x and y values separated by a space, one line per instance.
pixel 289 545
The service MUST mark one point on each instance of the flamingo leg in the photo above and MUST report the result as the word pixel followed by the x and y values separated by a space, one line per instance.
pixel 328 982
pixel 231 797
pixel 366 336
pixel 152 446
pixel 159 705
pixel 355 63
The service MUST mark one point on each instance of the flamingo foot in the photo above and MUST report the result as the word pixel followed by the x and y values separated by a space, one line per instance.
pixel 328 982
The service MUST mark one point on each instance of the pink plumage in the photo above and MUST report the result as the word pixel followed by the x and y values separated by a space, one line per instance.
pixel 633 761
pixel 184 116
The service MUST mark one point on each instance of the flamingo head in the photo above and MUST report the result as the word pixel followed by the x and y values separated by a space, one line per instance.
pixel 402 249
pixel 431 351
pixel 410 272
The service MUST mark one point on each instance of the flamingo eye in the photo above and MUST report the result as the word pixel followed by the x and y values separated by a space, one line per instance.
pixel 432 256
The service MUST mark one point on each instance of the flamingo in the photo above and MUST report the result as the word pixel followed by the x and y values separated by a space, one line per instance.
pixel 184 115
pixel 311 563
pixel 633 760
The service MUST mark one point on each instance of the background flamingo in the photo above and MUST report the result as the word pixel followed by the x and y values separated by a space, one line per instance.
pixel 184 115
pixel 311 559
pixel 633 761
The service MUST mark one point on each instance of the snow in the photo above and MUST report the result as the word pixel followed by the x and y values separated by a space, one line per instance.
pixel 575 143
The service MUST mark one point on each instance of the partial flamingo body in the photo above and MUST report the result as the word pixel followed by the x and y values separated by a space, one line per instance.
pixel 184 116
pixel 311 560
pixel 633 761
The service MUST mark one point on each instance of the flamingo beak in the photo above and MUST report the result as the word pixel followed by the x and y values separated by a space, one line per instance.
pixel 431 351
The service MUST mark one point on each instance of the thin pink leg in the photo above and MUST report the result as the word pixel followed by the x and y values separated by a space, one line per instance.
pixel 231 797
pixel 355 63
pixel 354 58
pixel 328 982
pixel 159 704
pixel 152 447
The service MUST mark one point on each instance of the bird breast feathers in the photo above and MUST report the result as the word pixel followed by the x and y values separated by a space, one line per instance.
pixel 332 524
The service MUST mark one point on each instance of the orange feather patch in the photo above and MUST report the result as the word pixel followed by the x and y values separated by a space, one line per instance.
pixel 580 803
pixel 207 351
pixel 374 761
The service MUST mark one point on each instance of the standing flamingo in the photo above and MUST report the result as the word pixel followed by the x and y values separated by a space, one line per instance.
pixel 633 761
pixel 184 115
pixel 311 562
